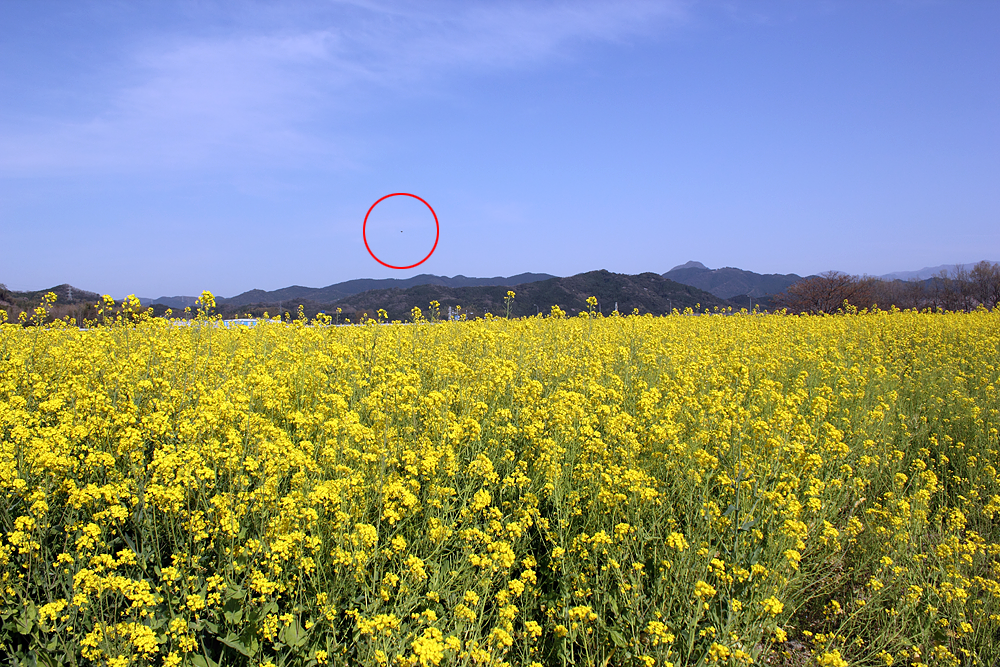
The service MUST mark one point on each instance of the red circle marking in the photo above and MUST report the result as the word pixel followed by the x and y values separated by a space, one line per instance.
pixel 437 235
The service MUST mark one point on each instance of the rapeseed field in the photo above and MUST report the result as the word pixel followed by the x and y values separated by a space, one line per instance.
pixel 629 490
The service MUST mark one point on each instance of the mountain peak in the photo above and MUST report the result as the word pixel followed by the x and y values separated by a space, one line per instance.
pixel 690 265
pixel 729 282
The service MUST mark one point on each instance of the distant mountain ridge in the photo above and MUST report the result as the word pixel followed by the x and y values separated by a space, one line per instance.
pixel 648 292
pixel 65 294
pixel 338 291
pixel 926 272
pixel 729 282
pixel 728 285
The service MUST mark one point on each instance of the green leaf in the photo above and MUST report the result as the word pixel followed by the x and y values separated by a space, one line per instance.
pixel 617 638
pixel 249 639
pixel 233 642
pixel 202 661
pixel 234 595
pixel 729 510
pixel 293 635
pixel 24 624
pixel 49 659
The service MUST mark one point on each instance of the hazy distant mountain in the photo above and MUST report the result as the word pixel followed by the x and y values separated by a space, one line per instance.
pixel 690 265
pixel 338 291
pixel 648 292
pixel 729 282
pixel 175 302
pixel 926 272
pixel 65 294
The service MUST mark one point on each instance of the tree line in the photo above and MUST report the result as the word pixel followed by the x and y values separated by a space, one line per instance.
pixel 958 289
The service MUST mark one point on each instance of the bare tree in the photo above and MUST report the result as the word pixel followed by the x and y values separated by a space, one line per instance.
pixel 984 284
pixel 827 293
pixel 963 288
pixel 906 294
pixel 958 289
pixel 942 292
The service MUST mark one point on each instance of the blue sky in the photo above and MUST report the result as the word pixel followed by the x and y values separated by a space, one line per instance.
pixel 163 148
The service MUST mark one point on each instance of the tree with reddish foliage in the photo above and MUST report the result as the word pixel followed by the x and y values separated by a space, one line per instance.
pixel 827 293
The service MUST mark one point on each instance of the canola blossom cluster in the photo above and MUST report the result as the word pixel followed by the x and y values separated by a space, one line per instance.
pixel 694 489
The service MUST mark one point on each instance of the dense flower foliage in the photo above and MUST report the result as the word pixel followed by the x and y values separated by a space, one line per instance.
pixel 684 490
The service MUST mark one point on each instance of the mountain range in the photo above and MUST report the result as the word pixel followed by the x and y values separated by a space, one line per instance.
pixel 338 291
pixel 685 285
pixel 647 292
pixel 65 294
pixel 927 272
pixel 725 283
pixel 729 282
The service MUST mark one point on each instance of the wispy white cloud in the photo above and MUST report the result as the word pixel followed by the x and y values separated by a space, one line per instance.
pixel 500 35
pixel 256 93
